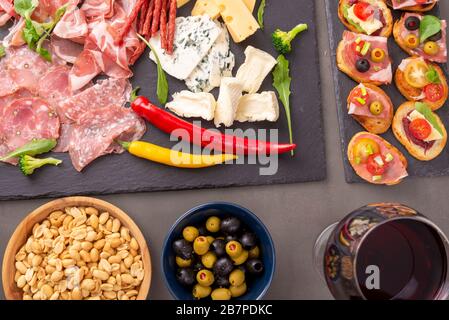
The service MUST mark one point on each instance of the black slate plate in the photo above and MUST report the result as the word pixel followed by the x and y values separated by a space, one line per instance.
pixel 125 173
pixel 349 127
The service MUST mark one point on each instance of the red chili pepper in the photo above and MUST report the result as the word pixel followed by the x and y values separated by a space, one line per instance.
pixel 210 139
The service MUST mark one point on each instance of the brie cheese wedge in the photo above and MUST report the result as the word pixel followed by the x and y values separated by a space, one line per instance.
pixel 258 107
pixel 370 26
pixel 227 103
pixel 193 105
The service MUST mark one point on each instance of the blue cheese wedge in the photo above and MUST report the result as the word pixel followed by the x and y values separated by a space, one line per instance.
pixel 370 26
pixel 194 37
pixel 193 105
pixel 258 107
pixel 434 135
pixel 255 69
pixel 228 100
pixel 217 64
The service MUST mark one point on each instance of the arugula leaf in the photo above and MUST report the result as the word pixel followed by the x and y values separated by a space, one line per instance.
pixel 424 109
pixel 25 7
pixel 162 83
pixel 30 34
pixel 2 51
pixel 261 12
pixel 282 82
pixel 433 76
pixel 429 26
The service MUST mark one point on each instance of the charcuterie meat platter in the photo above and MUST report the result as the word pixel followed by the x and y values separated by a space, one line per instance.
pixel 97 107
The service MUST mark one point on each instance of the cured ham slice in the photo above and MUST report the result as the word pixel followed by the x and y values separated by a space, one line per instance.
pixel 104 93
pixel 94 134
pixel 84 70
pixel 27 119
pixel 66 50
pixel 364 109
pixel 73 25
pixel 399 4
pixel 98 8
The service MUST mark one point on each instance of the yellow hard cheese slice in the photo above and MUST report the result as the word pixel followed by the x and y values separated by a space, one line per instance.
pixel 239 20
pixel 206 7
pixel 434 135
pixel 250 4
pixel 180 3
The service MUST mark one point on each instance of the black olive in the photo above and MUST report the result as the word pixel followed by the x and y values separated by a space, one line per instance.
pixel 218 247
pixel 254 266
pixel 185 276
pixel 436 37
pixel 183 248
pixel 223 266
pixel 412 23
pixel 230 225
pixel 222 281
pixel 231 237
pixel 248 240
pixel 362 65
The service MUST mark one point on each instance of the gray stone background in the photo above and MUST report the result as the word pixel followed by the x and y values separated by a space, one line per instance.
pixel 295 214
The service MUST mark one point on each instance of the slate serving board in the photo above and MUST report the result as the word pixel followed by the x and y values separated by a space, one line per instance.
pixel 349 127
pixel 125 173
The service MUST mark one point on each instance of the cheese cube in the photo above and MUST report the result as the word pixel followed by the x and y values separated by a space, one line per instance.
pixel 180 3
pixel 228 99
pixel 258 107
pixel 196 105
pixel 239 20
pixel 250 4
pixel 257 66
pixel 206 7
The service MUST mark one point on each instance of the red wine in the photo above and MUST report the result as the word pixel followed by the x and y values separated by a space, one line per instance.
pixel 411 259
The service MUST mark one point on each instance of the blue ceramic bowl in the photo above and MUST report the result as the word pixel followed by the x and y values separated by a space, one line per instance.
pixel 197 216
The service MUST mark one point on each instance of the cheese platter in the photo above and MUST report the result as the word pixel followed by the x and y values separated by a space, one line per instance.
pixel 198 68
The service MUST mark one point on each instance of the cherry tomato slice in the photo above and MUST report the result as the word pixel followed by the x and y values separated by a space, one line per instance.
pixel 420 129
pixel 358 94
pixel 359 45
pixel 374 167
pixel 363 10
pixel 433 92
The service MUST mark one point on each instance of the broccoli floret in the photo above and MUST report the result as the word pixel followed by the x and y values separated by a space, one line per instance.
pixel 28 164
pixel 282 40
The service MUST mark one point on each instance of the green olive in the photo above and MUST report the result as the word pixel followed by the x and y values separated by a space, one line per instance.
pixel 200 292
pixel 254 252
pixel 190 233
pixel 213 224
pixel 234 249
pixel 412 41
pixel 377 55
pixel 376 108
pixel 431 48
pixel 205 278
pixel 241 259
pixel 221 294
pixel 208 260
pixel 237 277
pixel 238 291
pixel 183 263
pixel 201 245
pixel 210 239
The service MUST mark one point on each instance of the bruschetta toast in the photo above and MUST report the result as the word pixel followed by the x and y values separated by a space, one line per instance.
pixel 412 5
pixel 420 130
pixel 375 160
pixel 365 58
pixel 419 80
pixel 371 17
pixel 422 35
pixel 371 107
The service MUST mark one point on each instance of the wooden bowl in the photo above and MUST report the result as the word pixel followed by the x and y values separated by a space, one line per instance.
pixel 24 230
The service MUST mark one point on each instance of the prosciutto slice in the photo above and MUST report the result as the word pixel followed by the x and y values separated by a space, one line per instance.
pixel 399 4
pixel 98 8
pixel 94 134
pixel 73 25
pixel 441 57
pixel 364 110
pixel 65 49
pixel 380 71
pixel 396 169
pixel 24 120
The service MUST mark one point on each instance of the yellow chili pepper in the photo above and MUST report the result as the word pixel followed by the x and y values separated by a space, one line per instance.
pixel 173 158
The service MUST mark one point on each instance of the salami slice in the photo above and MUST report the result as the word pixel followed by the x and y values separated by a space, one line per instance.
pixel 95 132
pixel 27 119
